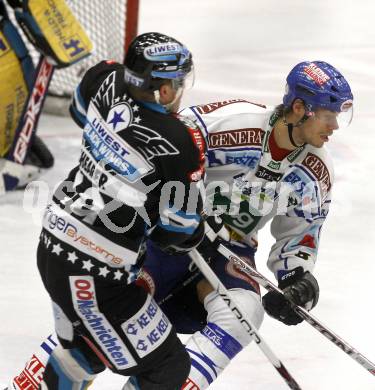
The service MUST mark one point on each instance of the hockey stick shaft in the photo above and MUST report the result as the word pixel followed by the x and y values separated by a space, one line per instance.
pixel 314 322
pixel 245 322
pixel 29 119
pixel 180 287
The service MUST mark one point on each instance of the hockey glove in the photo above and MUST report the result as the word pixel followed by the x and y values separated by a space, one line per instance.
pixel 182 248
pixel 215 233
pixel 299 287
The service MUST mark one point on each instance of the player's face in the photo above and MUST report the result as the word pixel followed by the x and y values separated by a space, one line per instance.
pixel 317 129
pixel 175 105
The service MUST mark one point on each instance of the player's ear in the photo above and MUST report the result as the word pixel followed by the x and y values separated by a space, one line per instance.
pixel 167 93
pixel 298 107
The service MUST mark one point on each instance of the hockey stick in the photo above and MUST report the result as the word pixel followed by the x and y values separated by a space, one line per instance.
pixel 315 323
pixel 29 119
pixel 245 322
pixel 180 287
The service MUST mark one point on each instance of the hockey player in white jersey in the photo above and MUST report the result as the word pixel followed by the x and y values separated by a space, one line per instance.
pixel 263 163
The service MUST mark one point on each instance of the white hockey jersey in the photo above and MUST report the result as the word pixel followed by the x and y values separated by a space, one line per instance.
pixel 251 188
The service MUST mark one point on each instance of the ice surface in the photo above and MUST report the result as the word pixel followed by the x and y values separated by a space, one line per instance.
pixel 244 49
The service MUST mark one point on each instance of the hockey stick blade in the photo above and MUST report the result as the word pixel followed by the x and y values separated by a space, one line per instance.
pixel 245 322
pixel 314 322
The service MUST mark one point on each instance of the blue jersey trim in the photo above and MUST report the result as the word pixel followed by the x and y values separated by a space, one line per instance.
pixel 153 106
pixel 177 229
pixel 81 360
pixel 65 382
pixel 201 121
pixel 80 117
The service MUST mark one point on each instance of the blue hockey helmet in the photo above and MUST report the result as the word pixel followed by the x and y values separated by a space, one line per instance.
pixel 319 85
pixel 153 57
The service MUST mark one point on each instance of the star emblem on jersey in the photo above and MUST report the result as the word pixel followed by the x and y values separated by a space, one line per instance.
pixel 118 275
pixel 57 249
pixel 72 257
pixel 104 271
pixel 120 116
pixel 117 118
pixel 87 265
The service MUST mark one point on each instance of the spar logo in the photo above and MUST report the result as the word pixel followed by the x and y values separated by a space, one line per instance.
pixel 86 306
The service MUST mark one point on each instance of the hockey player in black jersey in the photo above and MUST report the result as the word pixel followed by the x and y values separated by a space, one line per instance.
pixel 138 177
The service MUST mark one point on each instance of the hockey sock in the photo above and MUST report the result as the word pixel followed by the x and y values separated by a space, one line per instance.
pixel 67 369
pixel 212 349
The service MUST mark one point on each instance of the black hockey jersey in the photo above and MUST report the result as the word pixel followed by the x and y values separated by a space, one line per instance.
pixel 139 174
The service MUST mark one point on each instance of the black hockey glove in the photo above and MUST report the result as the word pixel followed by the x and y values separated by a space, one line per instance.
pixel 215 233
pixel 183 247
pixel 40 155
pixel 299 287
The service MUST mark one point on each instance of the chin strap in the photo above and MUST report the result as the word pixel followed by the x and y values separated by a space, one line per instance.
pixel 290 127
pixel 290 133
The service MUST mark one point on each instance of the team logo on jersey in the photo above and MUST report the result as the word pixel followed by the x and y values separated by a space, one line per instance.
pixel 106 145
pixel 155 144
pixel 106 93
pixel 236 138
pixel 120 117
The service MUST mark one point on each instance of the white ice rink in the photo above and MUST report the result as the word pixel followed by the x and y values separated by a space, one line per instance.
pixel 244 49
